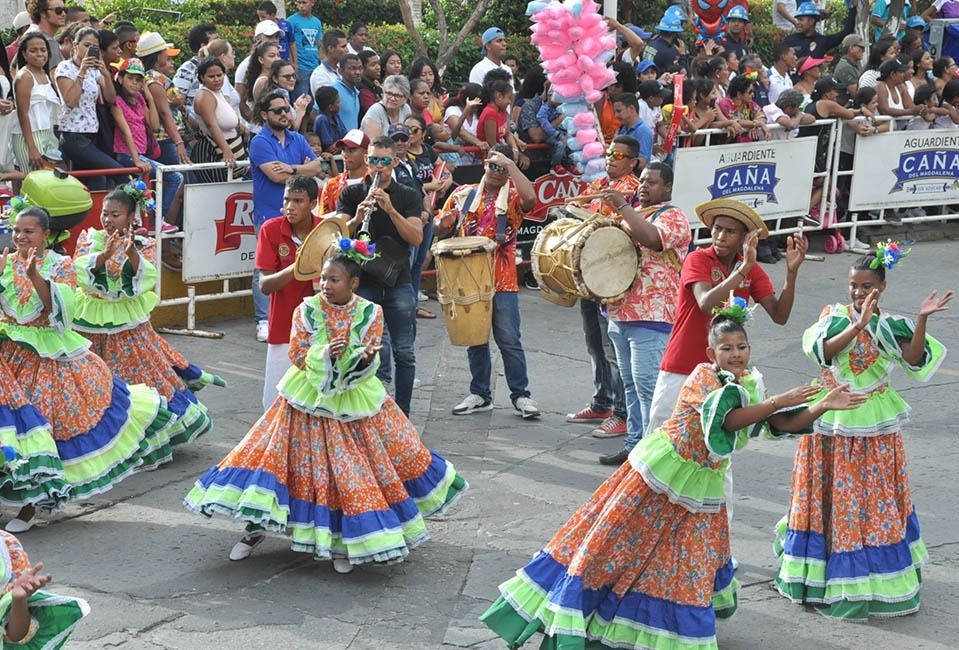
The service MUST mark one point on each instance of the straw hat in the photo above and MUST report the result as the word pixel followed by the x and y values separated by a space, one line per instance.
pixel 318 246
pixel 708 211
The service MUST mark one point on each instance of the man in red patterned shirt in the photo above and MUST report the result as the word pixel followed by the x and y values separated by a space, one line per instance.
pixel 607 408
pixel 353 146
pixel 640 324
pixel 495 209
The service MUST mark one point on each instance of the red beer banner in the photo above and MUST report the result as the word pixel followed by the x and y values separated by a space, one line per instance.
pixel 552 189
pixel 237 221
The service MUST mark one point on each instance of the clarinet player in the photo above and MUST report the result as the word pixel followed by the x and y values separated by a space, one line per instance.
pixel 394 225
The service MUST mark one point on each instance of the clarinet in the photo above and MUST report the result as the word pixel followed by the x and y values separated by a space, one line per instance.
pixel 368 213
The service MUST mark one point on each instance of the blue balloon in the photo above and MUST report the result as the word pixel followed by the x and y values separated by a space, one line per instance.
pixel 534 7
pixel 573 108
pixel 574 144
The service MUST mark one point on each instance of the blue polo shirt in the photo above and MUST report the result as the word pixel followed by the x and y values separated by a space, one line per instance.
pixel 644 135
pixel 264 148
pixel 349 105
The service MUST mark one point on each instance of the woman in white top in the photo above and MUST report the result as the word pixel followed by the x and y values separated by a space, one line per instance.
pixel 894 100
pixel 220 124
pixel 462 116
pixel 38 104
pixel 82 81
pixel 8 116
pixel 221 49
pixel 392 109
pixel 258 74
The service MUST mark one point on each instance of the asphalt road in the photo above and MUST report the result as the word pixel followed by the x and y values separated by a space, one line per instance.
pixel 157 576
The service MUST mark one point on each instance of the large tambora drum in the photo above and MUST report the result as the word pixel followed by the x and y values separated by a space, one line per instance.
pixel 465 287
pixel 593 259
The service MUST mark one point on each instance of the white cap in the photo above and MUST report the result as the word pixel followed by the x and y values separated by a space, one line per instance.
pixel 266 28
pixel 21 20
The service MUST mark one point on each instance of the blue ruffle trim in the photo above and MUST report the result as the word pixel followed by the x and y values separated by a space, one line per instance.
pixel 426 482
pixel 190 373
pixel 181 401
pixel 305 513
pixel 567 591
pixel 105 431
pixel 23 419
pixel 855 564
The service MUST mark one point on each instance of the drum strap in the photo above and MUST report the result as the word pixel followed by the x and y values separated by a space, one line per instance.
pixel 464 208
pixel 669 255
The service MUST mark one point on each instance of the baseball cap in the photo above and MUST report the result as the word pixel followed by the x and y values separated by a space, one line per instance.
pixel 643 66
pixel 639 31
pixel 890 66
pixel 399 130
pixel 354 139
pixel 266 28
pixel 132 65
pixel 853 40
pixel 152 42
pixel 916 22
pixel 21 20
pixel 812 62
pixel 649 89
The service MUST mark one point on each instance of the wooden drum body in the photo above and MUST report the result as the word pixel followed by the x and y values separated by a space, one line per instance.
pixel 594 259
pixel 465 286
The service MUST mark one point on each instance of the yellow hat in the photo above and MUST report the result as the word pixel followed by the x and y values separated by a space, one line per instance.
pixel 708 211
pixel 318 246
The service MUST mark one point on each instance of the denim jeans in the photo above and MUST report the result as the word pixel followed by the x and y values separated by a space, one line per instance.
pixel 639 351
pixel 607 385
pixel 261 301
pixel 172 181
pixel 399 314
pixel 506 333
pixel 82 152
pixel 419 255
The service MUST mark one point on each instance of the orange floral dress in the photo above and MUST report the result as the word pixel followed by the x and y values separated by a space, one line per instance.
pixel 113 306
pixel 103 428
pixel 646 562
pixel 52 617
pixel 851 542
pixel 334 463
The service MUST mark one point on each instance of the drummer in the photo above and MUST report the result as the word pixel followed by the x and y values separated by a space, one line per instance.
pixel 276 247
pixel 495 209
pixel 353 147
pixel 640 324
pixel 607 409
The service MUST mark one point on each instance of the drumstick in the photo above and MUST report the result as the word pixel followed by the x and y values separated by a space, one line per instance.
pixel 815 258
pixel 583 198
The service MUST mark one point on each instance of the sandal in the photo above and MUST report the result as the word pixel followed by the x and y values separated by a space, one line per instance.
pixel 424 313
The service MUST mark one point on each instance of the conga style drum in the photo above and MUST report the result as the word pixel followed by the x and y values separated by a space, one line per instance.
pixel 593 259
pixel 465 287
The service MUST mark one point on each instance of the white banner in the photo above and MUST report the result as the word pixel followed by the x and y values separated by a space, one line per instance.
pixel 905 169
pixel 219 241
pixel 774 177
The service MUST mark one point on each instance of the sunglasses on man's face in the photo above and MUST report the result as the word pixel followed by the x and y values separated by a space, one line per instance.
pixel 279 110
pixel 496 169
pixel 376 161
pixel 615 155
pixel 414 129
pixel 58 10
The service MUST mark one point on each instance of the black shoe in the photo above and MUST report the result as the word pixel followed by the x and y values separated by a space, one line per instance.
pixel 614 459
pixel 530 282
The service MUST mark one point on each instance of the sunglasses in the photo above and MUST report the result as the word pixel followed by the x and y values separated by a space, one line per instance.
pixel 58 11
pixel 615 155
pixel 292 75
pixel 414 129
pixel 376 161
pixel 496 169
pixel 279 110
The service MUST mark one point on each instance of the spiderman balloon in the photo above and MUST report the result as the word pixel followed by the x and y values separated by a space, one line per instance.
pixel 711 16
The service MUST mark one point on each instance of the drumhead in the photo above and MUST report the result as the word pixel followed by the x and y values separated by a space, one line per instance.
pixel 462 245
pixel 608 262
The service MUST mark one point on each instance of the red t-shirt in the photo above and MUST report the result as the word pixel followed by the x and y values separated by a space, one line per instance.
pixel 490 112
pixel 276 250
pixel 687 344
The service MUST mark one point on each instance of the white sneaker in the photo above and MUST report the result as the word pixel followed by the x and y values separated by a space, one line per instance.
pixel 857 246
pixel 242 549
pixel 18 525
pixel 422 297
pixel 416 383
pixel 473 404
pixel 342 565
pixel 526 407
pixel 262 330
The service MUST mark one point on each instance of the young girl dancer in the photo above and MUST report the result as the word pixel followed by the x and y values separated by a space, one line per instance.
pixel 116 274
pixel 646 562
pixel 851 541
pixel 33 618
pixel 103 428
pixel 333 463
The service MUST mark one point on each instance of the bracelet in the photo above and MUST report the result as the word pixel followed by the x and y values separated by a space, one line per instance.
pixel 772 403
